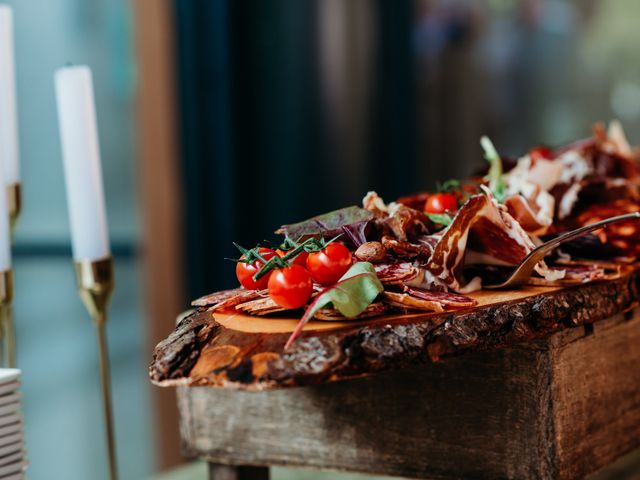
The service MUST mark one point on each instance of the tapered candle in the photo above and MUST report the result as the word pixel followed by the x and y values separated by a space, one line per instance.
pixel 82 168
pixel 5 232
pixel 8 116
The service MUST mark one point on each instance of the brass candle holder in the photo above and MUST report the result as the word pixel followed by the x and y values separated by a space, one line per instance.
pixel 6 301
pixel 14 204
pixel 14 207
pixel 95 284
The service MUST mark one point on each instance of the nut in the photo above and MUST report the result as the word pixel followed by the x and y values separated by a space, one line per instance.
pixel 371 252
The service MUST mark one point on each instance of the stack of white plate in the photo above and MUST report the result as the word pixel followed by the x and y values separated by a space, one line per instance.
pixel 13 459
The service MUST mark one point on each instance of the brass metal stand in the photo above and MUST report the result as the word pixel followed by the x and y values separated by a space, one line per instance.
pixel 6 320
pixel 14 204
pixel 95 284
pixel 8 333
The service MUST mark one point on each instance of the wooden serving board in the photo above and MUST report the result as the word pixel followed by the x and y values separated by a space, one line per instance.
pixel 234 350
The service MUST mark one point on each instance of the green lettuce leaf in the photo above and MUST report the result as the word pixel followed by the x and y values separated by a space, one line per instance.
pixel 351 295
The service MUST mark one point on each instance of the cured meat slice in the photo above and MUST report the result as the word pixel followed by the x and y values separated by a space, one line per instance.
pixel 408 302
pixel 446 299
pixel 432 301
pixel 533 213
pixel 395 273
pixel 395 218
pixel 227 298
pixel 481 233
pixel 422 246
pixel 577 272
pixel 331 314
pixel 261 306
pixel 623 237
pixel 582 173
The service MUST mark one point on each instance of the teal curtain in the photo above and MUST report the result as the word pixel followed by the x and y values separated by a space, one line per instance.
pixel 256 144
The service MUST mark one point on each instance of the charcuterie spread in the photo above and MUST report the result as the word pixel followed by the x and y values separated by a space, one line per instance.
pixel 430 251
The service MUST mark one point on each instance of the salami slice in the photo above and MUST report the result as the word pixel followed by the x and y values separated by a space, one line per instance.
pixel 396 273
pixel 446 299
pixel 332 315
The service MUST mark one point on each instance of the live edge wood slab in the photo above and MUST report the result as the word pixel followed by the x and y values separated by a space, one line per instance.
pixel 548 388
pixel 247 353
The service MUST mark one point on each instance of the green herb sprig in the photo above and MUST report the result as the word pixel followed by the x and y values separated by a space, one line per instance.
pixel 497 185
pixel 440 218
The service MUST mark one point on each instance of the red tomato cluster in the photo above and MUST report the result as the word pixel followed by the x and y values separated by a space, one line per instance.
pixel 245 271
pixel 291 286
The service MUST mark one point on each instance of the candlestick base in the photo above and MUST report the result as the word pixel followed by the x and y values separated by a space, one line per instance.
pixel 7 331
pixel 14 204
pixel 95 285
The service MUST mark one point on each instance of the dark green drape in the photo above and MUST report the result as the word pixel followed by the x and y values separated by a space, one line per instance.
pixel 255 144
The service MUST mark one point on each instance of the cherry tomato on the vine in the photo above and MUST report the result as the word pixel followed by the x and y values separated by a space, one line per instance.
pixel 246 271
pixel 329 264
pixel 300 259
pixel 290 287
pixel 441 203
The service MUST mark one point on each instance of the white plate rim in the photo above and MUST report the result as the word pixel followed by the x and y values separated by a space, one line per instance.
pixel 9 374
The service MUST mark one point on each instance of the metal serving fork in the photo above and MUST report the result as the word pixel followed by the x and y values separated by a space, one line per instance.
pixel 523 271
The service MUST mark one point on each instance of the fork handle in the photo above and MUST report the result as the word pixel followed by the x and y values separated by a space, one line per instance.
pixel 525 268
pixel 546 248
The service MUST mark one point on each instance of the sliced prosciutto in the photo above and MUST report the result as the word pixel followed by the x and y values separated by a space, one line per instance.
pixel 623 237
pixel 533 213
pixel 432 301
pixel 228 298
pixel 260 306
pixel 482 233
pixel 577 272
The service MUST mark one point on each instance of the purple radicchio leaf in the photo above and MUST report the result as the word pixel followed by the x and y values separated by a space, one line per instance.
pixel 350 222
pixel 355 233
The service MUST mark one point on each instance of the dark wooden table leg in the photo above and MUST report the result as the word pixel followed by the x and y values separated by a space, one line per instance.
pixel 226 472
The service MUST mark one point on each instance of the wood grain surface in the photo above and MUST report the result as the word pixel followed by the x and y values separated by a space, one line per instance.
pixel 248 353
pixel 555 408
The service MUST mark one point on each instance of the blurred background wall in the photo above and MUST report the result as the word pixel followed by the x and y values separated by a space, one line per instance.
pixel 288 109
pixel 56 342
pixel 221 120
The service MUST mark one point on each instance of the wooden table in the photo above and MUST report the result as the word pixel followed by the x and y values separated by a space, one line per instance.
pixel 539 383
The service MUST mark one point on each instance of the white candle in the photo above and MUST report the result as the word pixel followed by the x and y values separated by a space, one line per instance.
pixel 82 169
pixel 5 233
pixel 8 116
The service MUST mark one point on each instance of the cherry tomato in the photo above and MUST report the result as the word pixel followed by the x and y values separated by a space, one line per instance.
pixel 329 264
pixel 441 203
pixel 300 259
pixel 246 271
pixel 541 152
pixel 290 287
